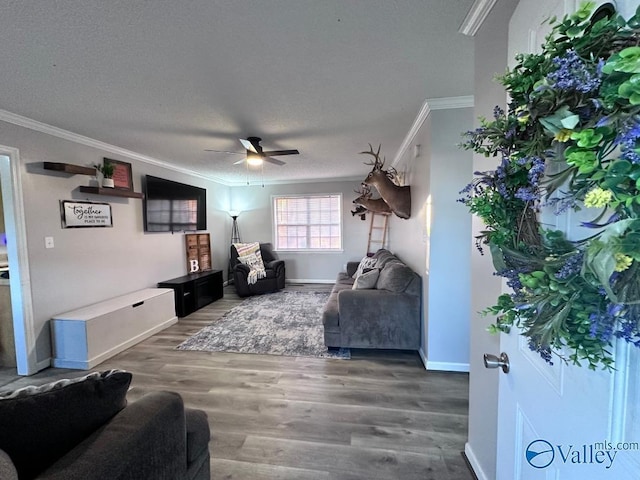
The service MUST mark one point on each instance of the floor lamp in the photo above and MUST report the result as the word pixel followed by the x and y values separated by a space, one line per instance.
pixel 235 238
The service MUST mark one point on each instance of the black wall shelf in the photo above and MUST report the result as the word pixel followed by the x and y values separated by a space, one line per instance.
pixel 69 168
pixel 112 192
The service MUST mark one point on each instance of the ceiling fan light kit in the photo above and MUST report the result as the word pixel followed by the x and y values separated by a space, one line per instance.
pixel 254 160
pixel 255 156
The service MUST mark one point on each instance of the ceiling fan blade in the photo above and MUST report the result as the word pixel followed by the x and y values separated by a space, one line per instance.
pixel 240 161
pixel 274 161
pixel 281 152
pixel 248 145
pixel 224 151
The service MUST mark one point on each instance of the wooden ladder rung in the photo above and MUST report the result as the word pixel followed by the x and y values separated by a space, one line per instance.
pixel 372 227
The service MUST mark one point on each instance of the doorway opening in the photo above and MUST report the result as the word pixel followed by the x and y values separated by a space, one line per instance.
pixel 17 261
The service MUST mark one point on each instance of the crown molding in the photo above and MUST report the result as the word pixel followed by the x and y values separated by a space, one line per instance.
pixel 476 16
pixel 37 126
pixel 19 120
pixel 423 114
pixel 443 103
pixel 446 103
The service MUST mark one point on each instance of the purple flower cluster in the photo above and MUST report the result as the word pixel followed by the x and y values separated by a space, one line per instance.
pixel 477 187
pixel 571 267
pixel 502 172
pixel 572 74
pixel 513 278
pixel 619 320
pixel 603 324
pixel 536 172
pixel 627 331
pixel 544 352
pixel 474 138
pixel 527 194
pixel 531 192
pixel 499 179
pixel 628 140
pixel 561 205
pixel 628 324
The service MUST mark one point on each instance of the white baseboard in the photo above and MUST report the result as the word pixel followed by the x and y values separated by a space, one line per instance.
pixel 477 469
pixel 442 366
pixel 308 280
pixel 447 366
pixel 42 364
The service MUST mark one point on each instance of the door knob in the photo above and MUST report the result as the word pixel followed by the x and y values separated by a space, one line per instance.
pixel 491 361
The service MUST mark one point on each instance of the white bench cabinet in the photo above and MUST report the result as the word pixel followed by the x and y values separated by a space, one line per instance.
pixel 88 336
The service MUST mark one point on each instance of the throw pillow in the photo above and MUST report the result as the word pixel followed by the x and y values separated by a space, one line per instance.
pixel 41 424
pixel 366 262
pixel 367 280
pixel 395 277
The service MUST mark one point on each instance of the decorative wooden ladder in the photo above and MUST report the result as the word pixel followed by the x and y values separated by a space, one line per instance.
pixel 381 238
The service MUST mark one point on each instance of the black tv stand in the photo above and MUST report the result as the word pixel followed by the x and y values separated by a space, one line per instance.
pixel 195 290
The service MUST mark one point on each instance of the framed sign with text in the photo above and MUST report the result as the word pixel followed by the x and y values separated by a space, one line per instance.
pixel 85 214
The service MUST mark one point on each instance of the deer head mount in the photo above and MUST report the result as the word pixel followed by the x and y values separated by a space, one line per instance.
pixel 398 198
pixel 376 205
pixel 360 211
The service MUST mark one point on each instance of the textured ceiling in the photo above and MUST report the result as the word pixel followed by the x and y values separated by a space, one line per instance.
pixel 169 79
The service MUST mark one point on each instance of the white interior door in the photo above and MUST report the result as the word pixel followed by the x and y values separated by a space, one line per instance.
pixel 558 422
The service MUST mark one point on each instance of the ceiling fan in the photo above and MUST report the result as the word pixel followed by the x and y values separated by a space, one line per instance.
pixel 255 155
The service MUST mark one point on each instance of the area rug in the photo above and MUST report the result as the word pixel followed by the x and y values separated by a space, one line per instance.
pixel 281 323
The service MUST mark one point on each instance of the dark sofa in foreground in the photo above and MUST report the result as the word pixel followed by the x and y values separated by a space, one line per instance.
pixel 384 313
pixel 83 429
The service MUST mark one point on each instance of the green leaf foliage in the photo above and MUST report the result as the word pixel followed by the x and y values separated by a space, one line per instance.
pixel 568 140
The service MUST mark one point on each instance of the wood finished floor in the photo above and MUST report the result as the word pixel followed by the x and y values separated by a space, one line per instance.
pixel 379 415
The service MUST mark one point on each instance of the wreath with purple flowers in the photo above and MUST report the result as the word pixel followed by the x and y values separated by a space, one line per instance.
pixel 569 140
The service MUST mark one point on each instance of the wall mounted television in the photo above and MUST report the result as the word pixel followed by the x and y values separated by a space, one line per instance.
pixel 170 206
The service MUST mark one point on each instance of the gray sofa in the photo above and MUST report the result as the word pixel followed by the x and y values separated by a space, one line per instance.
pixel 386 316
pixel 84 430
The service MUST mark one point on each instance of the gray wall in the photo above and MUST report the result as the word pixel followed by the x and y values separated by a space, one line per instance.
pixel 449 278
pixel 88 265
pixel 409 238
pixel 256 224
pixel 490 59
pixel 439 254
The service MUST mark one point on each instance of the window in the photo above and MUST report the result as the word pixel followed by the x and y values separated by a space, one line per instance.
pixel 309 222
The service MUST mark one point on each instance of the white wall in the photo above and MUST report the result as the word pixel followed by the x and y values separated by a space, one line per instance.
pixel 490 59
pixel 255 224
pixel 440 255
pixel 92 264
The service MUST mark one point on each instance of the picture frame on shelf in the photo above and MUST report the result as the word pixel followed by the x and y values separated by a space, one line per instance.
pixel 122 174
